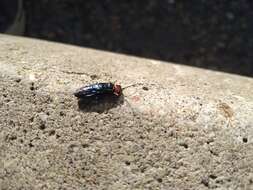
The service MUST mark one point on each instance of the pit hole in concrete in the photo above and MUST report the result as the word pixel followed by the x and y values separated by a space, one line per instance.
pixel 62 113
pixel 18 80
pixel 52 132
pixel 58 136
pixel 212 176
pixel 42 126
pixel 30 145
pixel 214 153
pixel 127 163
pixel 11 123
pixel 160 180
pixel 142 169
pixel 85 145
pixel 13 137
pixel 93 77
pixel 244 139
pixel 209 141
pixel 219 181
pixel 7 100
pixel 141 137
pixel 183 144
pixel 145 88
pixel 31 119
pixel 32 86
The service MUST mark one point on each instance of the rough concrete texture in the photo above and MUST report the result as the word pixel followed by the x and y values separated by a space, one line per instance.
pixel 178 128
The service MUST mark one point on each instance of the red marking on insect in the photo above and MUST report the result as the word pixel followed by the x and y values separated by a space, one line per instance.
pixel 117 90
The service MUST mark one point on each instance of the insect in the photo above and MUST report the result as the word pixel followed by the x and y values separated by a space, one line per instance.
pixel 99 97
pixel 99 90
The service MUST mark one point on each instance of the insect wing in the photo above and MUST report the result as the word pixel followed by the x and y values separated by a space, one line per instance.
pixel 94 90
pixel 86 91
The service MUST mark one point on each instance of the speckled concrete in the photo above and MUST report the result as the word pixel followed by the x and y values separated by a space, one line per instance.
pixel 177 128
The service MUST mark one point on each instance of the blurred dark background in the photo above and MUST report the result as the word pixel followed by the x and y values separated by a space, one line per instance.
pixel 210 34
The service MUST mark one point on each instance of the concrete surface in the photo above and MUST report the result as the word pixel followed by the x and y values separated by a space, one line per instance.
pixel 178 128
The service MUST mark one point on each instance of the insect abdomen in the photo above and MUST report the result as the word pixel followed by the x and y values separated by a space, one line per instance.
pixel 94 89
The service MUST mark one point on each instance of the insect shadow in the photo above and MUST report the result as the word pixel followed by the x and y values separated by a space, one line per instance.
pixel 100 103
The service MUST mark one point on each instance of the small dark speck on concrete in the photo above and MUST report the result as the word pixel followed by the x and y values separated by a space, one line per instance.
pixel 18 80
pixel 244 139
pixel 62 113
pixel 58 136
pixel 85 145
pixel 13 137
pixel 160 180
pixel 32 86
pixel 93 77
pixel 212 176
pixel 42 126
pixel 52 132
pixel 183 144
pixel 31 119
pixel 31 145
pixel 127 163
pixel 145 88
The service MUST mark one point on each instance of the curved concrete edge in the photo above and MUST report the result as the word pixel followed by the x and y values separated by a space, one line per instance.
pixel 181 127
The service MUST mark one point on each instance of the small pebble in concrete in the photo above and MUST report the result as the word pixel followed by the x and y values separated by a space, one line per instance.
pixel 205 181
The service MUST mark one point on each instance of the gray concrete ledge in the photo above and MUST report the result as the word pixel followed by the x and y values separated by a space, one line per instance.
pixel 181 128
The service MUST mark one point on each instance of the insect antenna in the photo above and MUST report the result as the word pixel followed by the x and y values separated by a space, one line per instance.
pixel 132 85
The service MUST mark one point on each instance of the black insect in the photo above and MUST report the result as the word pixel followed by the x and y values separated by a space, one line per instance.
pixel 99 90
pixel 99 97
